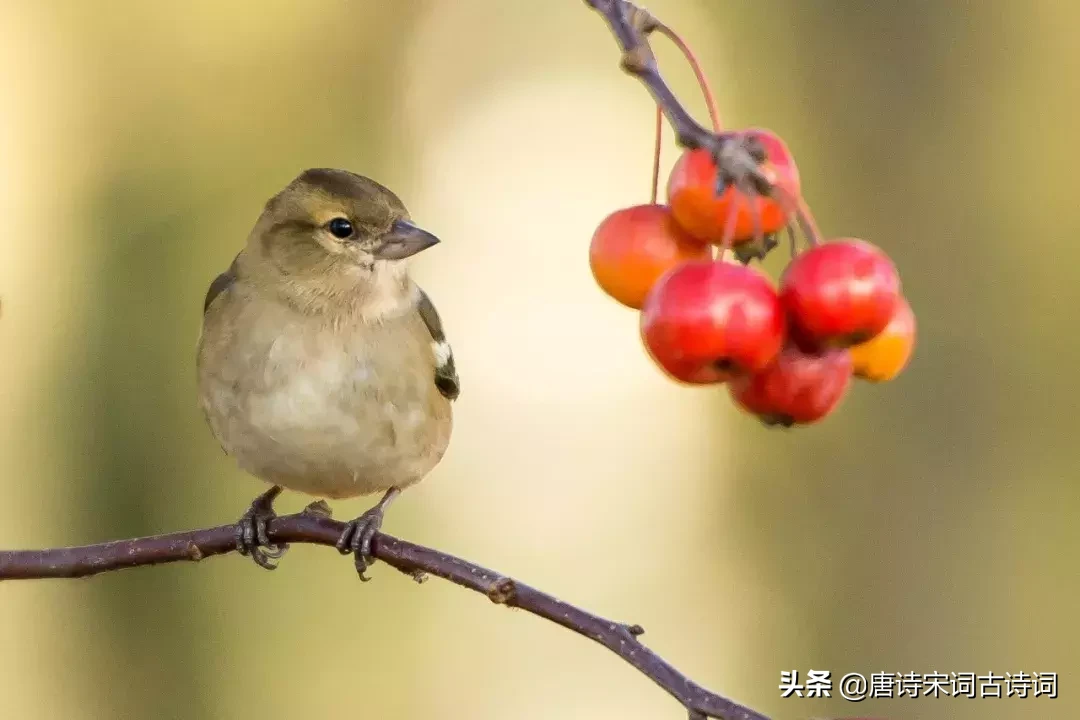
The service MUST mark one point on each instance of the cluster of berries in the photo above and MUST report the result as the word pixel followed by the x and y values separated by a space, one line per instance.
pixel 787 353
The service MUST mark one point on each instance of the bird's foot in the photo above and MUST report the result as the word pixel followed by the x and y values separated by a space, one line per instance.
pixel 357 537
pixel 251 535
pixel 359 533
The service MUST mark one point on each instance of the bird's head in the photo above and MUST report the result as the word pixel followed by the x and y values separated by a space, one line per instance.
pixel 333 232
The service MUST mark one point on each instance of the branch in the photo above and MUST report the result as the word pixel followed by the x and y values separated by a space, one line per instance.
pixel 737 156
pixel 630 24
pixel 414 560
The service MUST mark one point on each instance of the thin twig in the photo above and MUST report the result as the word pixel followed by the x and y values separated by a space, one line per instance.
pixel 409 558
pixel 736 155
pixel 629 24
pixel 695 65
pixel 654 25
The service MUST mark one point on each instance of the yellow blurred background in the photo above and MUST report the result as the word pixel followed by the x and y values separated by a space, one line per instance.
pixel 927 526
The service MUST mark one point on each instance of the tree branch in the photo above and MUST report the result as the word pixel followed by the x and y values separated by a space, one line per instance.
pixel 738 156
pixel 630 25
pixel 409 558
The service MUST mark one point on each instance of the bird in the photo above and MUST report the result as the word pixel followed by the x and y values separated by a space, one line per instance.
pixel 322 367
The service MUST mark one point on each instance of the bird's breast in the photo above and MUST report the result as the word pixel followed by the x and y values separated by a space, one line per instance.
pixel 333 411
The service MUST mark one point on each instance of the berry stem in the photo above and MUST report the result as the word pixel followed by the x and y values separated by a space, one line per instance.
pixel 703 81
pixel 706 91
pixel 729 230
pixel 795 207
pixel 807 222
pixel 656 154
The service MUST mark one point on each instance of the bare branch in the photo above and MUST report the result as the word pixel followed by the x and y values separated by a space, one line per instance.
pixel 414 560
pixel 738 156
pixel 630 25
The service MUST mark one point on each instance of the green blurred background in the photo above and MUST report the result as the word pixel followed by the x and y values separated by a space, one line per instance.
pixel 927 526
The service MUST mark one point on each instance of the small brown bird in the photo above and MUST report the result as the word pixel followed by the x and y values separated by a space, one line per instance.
pixel 322 367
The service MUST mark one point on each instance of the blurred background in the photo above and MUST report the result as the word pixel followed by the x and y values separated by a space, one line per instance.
pixel 927 526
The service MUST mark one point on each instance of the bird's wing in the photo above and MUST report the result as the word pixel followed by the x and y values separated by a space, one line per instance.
pixel 220 284
pixel 446 377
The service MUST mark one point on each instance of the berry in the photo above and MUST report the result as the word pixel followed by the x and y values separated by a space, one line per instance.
pixel 884 356
pixel 840 294
pixel 634 246
pixel 691 192
pixel 797 388
pixel 705 322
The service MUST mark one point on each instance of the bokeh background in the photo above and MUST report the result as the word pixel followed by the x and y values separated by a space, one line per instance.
pixel 928 526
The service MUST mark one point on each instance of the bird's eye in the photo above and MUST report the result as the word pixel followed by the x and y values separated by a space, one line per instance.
pixel 340 227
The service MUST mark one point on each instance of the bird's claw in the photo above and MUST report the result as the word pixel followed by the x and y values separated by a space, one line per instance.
pixel 252 537
pixel 357 539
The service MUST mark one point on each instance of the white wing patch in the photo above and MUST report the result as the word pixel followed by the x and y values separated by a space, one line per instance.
pixel 442 352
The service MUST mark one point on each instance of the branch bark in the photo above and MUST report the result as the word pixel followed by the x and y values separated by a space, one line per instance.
pixel 409 558
pixel 738 156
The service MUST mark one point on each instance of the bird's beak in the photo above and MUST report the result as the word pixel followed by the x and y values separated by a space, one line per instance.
pixel 404 240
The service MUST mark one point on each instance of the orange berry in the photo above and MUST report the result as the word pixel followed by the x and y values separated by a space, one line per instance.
pixel 634 246
pixel 691 192
pixel 884 356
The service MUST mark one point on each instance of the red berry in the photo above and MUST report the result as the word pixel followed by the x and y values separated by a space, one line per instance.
pixel 633 247
pixel 705 322
pixel 840 294
pixel 692 194
pixel 797 388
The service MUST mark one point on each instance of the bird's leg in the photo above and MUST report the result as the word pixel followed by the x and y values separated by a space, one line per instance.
pixel 251 536
pixel 360 532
